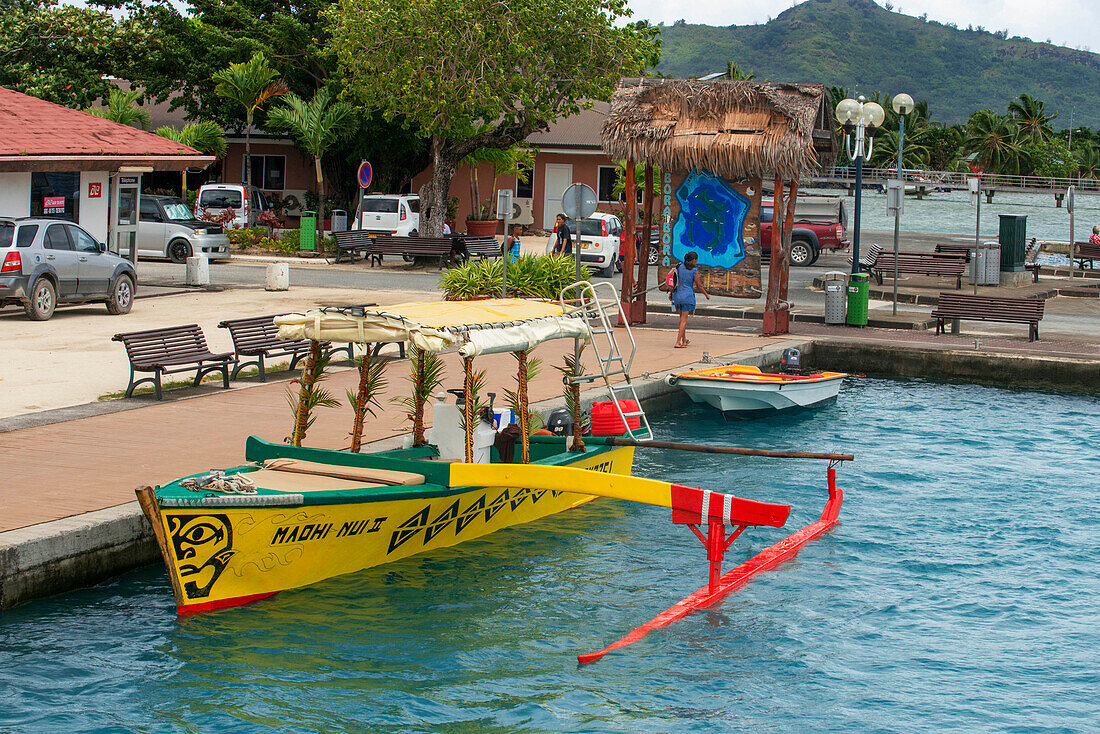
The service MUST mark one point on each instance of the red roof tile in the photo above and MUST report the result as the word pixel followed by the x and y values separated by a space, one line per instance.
pixel 34 127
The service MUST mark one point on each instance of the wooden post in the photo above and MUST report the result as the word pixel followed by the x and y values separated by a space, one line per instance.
pixel 774 318
pixel 360 401
pixel 626 242
pixel 309 377
pixel 788 228
pixel 578 438
pixel 468 406
pixel 637 316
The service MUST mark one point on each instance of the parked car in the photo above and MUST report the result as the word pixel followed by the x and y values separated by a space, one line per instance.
pixel 213 199
pixel 599 237
pixel 393 214
pixel 820 223
pixel 168 228
pixel 44 262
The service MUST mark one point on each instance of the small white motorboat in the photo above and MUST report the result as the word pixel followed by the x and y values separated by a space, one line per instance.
pixel 747 392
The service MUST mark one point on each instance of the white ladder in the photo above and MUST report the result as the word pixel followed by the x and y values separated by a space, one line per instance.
pixel 583 298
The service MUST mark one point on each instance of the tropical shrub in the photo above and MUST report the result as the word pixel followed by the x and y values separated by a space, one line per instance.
pixel 533 276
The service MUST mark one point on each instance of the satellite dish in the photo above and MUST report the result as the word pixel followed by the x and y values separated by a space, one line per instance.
pixel 578 201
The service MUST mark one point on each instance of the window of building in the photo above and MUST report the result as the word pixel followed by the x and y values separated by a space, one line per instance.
pixel 56 194
pixel 525 190
pixel 268 172
pixel 606 184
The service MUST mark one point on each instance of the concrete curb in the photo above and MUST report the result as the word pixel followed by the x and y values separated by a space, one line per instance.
pixel 58 556
pixel 756 313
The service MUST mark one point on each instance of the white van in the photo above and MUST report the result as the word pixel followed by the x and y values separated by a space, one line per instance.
pixel 393 214
pixel 213 199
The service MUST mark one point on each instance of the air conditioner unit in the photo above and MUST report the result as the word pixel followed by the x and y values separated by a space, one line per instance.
pixel 522 211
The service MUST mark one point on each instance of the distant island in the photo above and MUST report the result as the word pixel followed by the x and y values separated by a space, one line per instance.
pixel 863 47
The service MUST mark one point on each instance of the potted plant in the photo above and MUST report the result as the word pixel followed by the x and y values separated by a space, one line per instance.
pixel 517 161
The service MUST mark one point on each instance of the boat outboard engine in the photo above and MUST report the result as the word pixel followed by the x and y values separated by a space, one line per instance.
pixel 791 363
pixel 560 422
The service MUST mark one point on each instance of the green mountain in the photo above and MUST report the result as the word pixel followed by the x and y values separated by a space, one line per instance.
pixel 862 47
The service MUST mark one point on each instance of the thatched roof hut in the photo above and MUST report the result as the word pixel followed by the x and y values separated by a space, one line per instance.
pixel 733 129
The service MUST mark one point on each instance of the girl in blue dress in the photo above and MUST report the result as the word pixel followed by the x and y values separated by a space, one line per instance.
pixel 683 296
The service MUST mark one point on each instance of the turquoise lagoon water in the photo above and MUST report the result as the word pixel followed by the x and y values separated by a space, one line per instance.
pixel 960 592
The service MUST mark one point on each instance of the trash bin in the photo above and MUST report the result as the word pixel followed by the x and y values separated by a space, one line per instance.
pixel 307 234
pixel 834 297
pixel 1012 236
pixel 859 292
pixel 339 220
pixel 987 265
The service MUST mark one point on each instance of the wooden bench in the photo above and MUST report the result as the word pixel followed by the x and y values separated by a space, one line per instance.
pixel 867 258
pixel 919 263
pixel 411 248
pixel 956 306
pixel 963 250
pixel 353 243
pixel 170 351
pixel 258 337
pixel 1086 251
pixel 479 246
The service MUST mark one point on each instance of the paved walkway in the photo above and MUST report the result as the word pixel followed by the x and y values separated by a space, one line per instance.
pixel 75 466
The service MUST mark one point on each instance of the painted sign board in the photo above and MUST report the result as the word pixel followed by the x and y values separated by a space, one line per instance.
pixel 53 205
pixel 718 220
pixel 95 190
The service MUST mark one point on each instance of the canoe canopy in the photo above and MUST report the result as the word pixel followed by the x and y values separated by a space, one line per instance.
pixel 470 327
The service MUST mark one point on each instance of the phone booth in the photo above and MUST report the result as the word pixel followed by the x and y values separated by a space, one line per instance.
pixel 122 221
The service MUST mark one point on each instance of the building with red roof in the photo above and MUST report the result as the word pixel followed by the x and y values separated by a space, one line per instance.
pixel 61 162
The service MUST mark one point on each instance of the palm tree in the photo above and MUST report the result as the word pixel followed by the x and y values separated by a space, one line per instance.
pixel 205 137
pixel 122 108
pixel 518 161
pixel 997 142
pixel 251 85
pixel 1031 118
pixel 732 72
pixel 316 125
pixel 1088 161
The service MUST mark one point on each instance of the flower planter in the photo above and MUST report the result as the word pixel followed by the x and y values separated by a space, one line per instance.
pixel 481 228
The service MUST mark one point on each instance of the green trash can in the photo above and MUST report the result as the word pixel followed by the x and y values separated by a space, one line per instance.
pixel 307 235
pixel 1013 239
pixel 859 288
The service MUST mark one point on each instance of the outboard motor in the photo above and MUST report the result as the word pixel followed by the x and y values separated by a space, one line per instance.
pixel 560 422
pixel 791 363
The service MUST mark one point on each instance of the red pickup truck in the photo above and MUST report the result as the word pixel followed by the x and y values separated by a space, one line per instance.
pixel 820 223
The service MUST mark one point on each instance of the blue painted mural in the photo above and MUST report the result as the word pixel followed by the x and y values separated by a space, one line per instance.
pixel 710 222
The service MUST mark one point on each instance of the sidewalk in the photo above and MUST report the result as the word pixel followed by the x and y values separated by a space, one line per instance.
pixel 95 462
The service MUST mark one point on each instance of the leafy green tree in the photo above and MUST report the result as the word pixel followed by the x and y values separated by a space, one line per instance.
pixel 62 53
pixel 1031 118
pixel 1049 158
pixel 122 107
pixel 468 74
pixel 997 142
pixel 1088 162
pixel 250 85
pixel 316 125
pixel 205 137
pixel 518 160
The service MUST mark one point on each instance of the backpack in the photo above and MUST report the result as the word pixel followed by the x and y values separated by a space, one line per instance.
pixel 670 282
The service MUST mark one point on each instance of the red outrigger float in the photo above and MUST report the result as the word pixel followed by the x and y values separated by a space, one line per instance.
pixel 723 509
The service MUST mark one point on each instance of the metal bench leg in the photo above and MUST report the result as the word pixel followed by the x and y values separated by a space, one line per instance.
pixel 263 375
pixel 959 283
pixel 130 387
pixel 225 374
pixel 956 327
pixel 156 383
pixel 1033 332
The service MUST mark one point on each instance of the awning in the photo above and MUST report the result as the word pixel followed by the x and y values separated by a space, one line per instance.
pixel 470 327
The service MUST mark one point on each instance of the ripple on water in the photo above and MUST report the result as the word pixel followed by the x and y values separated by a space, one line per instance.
pixel 958 592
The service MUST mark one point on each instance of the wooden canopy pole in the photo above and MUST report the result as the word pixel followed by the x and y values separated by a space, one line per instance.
pixel 309 378
pixel 468 406
pixel 788 229
pixel 524 428
pixel 360 401
pixel 626 242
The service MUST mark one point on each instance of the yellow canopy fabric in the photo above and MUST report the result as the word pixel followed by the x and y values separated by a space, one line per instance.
pixel 473 327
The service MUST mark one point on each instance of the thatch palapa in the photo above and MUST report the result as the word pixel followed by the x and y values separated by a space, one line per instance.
pixel 734 129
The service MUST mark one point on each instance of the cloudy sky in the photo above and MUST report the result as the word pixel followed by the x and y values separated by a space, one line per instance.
pixel 1065 22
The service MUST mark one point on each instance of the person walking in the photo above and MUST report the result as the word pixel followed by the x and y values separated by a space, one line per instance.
pixel 683 295
pixel 511 243
pixel 564 244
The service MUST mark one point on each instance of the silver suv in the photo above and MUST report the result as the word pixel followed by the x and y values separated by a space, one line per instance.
pixel 44 262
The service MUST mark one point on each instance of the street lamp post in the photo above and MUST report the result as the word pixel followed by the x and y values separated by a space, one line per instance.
pixel 903 105
pixel 863 118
